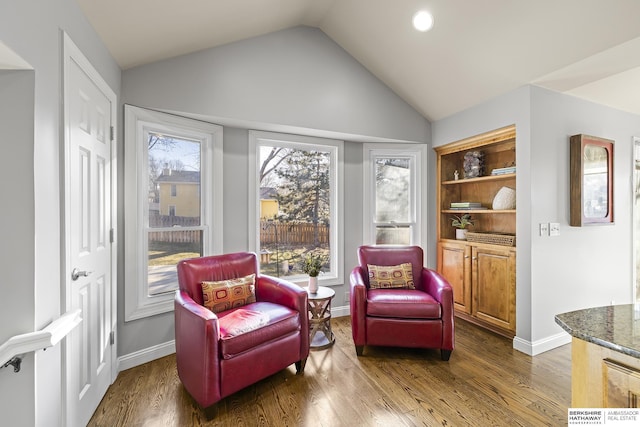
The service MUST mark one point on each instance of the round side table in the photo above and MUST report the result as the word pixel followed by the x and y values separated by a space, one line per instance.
pixel 320 334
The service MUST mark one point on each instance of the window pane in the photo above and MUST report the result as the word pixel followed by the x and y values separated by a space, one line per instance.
pixel 166 248
pixel 393 189
pixel 393 235
pixel 295 209
pixel 174 181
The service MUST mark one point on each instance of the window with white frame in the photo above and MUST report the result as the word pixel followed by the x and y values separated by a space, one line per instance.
pixel 296 204
pixel 393 194
pixel 172 203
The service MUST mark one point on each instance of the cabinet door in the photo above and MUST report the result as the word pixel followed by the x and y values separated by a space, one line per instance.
pixel 621 385
pixel 455 266
pixel 493 282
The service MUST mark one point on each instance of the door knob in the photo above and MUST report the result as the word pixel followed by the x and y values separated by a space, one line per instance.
pixel 76 274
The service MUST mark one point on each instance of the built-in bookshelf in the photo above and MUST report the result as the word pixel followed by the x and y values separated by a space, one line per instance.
pixel 499 153
pixel 482 274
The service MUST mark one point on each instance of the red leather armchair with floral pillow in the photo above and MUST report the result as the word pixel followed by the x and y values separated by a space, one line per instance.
pixel 397 302
pixel 255 326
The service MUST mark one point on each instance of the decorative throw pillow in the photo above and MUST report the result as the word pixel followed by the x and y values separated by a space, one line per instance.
pixel 391 276
pixel 227 294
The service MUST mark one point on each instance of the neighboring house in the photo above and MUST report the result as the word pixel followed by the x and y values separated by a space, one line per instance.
pixel 269 206
pixel 179 192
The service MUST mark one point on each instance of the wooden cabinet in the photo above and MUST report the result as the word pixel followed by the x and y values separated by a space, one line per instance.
pixel 482 275
pixel 621 385
pixel 602 377
pixel 454 263
pixel 483 282
pixel 493 287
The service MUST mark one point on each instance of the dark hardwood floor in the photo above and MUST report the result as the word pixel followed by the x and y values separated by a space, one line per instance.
pixel 485 383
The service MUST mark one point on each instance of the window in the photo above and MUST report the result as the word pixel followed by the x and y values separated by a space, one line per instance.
pixel 296 209
pixel 393 194
pixel 173 208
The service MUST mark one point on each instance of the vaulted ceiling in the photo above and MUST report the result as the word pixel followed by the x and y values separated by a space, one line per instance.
pixel 476 50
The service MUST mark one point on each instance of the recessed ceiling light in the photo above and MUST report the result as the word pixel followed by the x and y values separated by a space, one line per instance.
pixel 422 21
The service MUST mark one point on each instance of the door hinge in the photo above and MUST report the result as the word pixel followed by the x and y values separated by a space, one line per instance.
pixel 111 236
pixel 112 132
pixel 112 338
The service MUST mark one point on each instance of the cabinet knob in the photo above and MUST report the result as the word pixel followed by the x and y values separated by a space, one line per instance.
pixel 474 258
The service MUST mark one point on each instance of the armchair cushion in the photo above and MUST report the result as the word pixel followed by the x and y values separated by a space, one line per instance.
pixel 392 276
pixel 255 324
pixel 405 303
pixel 224 295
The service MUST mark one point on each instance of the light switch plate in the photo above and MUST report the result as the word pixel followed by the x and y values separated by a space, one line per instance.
pixel 544 229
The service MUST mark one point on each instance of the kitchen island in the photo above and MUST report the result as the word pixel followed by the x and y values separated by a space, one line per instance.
pixel 605 356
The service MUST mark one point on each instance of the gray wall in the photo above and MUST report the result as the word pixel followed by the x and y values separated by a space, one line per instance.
pixel 32 29
pixel 294 81
pixel 583 267
pixel 17 232
pixel 296 77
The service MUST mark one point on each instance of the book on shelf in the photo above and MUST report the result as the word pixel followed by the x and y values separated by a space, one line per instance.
pixel 466 205
pixel 468 209
pixel 503 171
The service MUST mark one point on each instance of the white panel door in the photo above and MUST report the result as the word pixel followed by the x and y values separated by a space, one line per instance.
pixel 88 220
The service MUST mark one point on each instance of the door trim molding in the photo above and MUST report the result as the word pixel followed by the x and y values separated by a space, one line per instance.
pixel 71 52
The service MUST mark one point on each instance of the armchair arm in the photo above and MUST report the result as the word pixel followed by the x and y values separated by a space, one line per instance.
pixel 357 305
pixel 197 333
pixel 438 287
pixel 279 291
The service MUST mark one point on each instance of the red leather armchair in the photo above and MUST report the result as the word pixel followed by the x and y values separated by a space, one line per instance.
pixel 420 317
pixel 219 354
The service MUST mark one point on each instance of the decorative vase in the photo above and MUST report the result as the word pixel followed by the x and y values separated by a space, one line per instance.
pixel 504 199
pixel 313 284
pixel 473 164
pixel 461 234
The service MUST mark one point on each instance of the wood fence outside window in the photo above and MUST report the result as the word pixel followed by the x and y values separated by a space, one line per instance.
pixel 280 233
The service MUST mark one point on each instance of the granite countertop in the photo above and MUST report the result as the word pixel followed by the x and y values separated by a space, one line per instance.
pixel 614 326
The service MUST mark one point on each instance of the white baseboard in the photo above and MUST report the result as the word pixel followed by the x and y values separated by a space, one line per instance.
pixel 540 346
pixel 146 355
pixel 340 311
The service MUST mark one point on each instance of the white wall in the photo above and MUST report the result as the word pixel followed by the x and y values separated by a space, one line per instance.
pixel 32 29
pixel 293 81
pixel 583 267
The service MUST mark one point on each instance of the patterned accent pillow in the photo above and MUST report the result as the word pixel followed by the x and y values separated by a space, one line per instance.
pixel 228 294
pixel 391 276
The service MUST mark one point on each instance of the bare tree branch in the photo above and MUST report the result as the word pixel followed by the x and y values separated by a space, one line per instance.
pixel 265 168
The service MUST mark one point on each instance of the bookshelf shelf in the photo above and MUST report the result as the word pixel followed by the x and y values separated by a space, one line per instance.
pixel 465 181
pixel 478 211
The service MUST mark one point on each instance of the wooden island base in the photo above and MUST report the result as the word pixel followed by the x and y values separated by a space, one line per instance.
pixel 605 356
pixel 602 377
